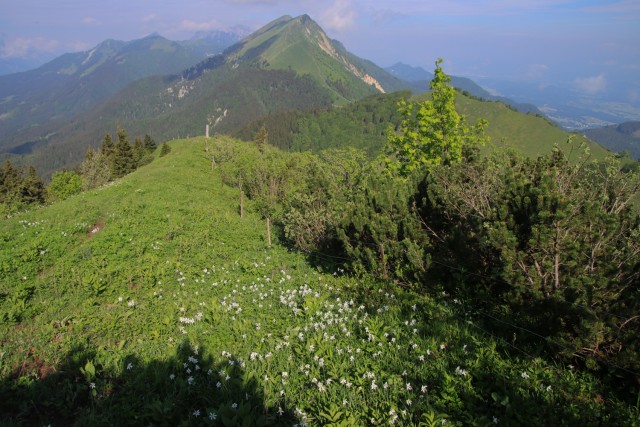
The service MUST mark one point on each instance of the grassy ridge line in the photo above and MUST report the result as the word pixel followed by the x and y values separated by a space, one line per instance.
pixel 531 135
pixel 172 205
pixel 282 340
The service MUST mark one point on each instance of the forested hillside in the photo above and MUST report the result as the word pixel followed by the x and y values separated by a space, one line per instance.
pixel 183 109
pixel 364 125
pixel 618 138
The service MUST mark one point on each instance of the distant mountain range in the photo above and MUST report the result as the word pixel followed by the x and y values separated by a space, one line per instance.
pixel 76 82
pixel 570 107
pixel 421 78
pixel 51 115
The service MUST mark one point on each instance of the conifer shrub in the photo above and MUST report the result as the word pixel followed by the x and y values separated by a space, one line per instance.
pixel 165 149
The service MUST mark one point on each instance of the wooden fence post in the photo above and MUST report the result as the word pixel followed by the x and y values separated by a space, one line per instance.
pixel 269 231
pixel 241 204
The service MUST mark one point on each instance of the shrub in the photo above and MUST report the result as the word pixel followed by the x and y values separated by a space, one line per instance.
pixel 64 184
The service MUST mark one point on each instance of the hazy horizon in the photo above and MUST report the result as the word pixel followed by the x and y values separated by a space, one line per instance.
pixel 586 46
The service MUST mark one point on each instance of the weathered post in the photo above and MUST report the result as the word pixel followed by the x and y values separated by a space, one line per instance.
pixel 241 203
pixel 206 142
pixel 269 231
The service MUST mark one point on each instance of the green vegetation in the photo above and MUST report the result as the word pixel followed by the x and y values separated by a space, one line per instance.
pixel 23 188
pixel 64 184
pixel 624 137
pixel 363 124
pixel 154 286
pixel 19 187
pixel 234 283
pixel 114 161
pixel 435 133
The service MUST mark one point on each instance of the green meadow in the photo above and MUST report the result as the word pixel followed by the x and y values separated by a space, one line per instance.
pixel 150 301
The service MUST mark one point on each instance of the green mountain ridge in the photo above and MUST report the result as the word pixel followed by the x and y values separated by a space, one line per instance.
pixel 618 138
pixel 75 83
pixel 301 44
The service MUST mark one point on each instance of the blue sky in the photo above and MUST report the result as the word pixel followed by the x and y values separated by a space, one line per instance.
pixel 589 45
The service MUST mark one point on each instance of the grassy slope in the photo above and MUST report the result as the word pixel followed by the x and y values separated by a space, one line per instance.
pixel 529 134
pixel 269 331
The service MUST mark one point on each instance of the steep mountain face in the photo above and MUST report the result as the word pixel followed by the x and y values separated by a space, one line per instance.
pixel 76 82
pixel 301 45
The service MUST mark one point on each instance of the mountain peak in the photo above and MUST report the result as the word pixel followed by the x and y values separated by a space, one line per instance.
pixel 302 45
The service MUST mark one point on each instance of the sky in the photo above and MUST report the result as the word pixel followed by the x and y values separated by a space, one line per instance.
pixel 592 46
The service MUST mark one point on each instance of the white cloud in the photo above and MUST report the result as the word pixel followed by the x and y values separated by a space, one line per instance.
pixel 536 71
pixel 187 25
pixel 150 19
pixel 89 21
pixel 385 15
pixel 339 16
pixel 21 47
pixel 591 85
pixel 624 10
pixel 79 46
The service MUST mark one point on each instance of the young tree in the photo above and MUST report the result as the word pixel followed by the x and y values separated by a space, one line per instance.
pixel 32 188
pixel 95 170
pixel 262 139
pixel 432 132
pixel 164 149
pixel 123 160
pixel 138 151
pixel 149 143
pixel 107 147
pixel 9 183
pixel 64 184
